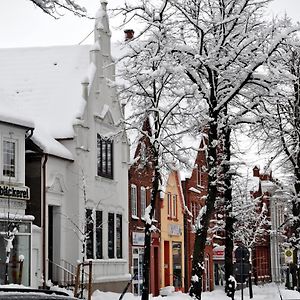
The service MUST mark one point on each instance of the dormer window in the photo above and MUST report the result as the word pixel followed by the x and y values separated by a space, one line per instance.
pixel 104 157
pixel 9 158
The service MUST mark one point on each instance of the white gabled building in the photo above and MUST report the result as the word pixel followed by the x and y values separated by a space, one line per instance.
pixel 77 158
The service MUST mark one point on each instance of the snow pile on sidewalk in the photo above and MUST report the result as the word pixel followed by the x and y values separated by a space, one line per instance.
pixel 263 292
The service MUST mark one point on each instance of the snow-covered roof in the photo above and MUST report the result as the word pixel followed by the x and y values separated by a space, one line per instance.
pixel 8 116
pixel 44 85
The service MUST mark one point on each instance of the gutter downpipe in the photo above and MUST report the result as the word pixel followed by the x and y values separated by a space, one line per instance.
pixel 44 221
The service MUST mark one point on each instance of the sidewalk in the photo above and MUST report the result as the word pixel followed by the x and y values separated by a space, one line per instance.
pixel 289 295
pixel 262 292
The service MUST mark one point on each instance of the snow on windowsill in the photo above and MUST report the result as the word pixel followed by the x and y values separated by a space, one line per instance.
pixel 105 179
pixel 108 260
pixel 135 217
pixel 16 217
pixel 192 189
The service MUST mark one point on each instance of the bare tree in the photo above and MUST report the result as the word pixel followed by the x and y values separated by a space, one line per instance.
pixel 151 92
pixel 280 128
pixel 55 8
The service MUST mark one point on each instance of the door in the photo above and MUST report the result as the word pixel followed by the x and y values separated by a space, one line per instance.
pixel 50 244
pixel 167 262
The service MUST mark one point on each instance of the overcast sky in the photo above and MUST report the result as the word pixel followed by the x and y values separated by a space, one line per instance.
pixel 24 25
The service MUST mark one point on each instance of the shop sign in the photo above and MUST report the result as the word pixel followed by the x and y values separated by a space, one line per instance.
pixel 219 253
pixel 175 229
pixel 14 192
pixel 138 238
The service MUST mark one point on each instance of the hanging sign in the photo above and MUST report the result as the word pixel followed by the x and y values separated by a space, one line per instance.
pixel 288 256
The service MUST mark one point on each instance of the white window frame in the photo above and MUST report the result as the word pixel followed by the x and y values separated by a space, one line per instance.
pixel 174 206
pixel 169 199
pixel 94 233
pixel 133 199
pixel 15 141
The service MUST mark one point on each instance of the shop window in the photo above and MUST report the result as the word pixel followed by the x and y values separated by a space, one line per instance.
pixel 21 247
pixel 137 270
pixel 104 157
pixel 133 198
pixel 9 158
pixel 177 265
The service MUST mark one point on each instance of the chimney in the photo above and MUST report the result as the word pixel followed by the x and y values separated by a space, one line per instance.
pixel 255 171
pixel 129 34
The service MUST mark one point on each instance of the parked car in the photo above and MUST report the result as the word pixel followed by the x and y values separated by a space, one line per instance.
pixel 32 294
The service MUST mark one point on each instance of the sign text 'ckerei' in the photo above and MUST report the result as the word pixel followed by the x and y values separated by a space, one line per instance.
pixel 14 192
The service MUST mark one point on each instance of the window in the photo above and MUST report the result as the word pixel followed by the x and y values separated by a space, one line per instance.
pixel 9 158
pixel 104 157
pixel 111 235
pixel 143 201
pixel 89 233
pixel 199 175
pixel 119 235
pixel 94 243
pixel 99 237
pixel 169 205
pixel 174 206
pixel 133 198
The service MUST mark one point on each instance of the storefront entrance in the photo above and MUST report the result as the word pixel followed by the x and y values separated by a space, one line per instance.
pixel 177 265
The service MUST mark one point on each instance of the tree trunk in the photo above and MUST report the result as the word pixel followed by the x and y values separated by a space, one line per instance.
pixel 296 200
pixel 147 247
pixel 229 220
pixel 201 231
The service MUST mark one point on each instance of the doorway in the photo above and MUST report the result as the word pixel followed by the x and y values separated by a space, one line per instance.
pixel 167 262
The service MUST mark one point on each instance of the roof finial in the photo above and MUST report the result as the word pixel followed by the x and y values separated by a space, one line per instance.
pixel 103 4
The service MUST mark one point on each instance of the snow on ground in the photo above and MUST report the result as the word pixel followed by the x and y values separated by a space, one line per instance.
pixel 263 292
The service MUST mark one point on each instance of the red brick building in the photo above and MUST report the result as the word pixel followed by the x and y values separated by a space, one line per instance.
pixel 261 257
pixel 140 184
pixel 195 190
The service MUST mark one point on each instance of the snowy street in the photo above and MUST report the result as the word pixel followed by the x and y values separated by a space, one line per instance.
pixel 263 292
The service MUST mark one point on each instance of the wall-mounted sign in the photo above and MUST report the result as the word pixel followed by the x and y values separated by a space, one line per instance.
pixel 14 192
pixel 138 238
pixel 288 256
pixel 175 229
